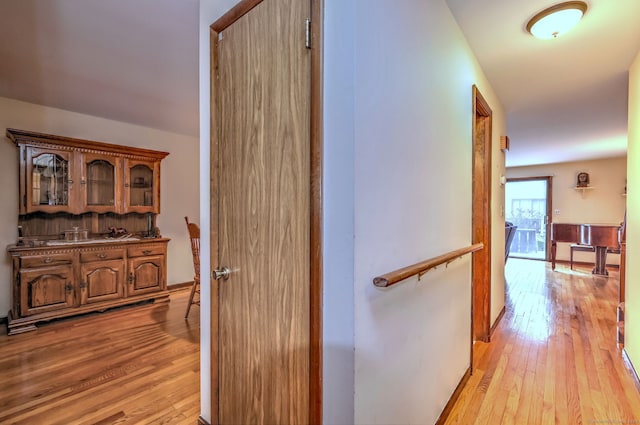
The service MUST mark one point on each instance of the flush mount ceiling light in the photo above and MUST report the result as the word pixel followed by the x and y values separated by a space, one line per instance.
pixel 556 20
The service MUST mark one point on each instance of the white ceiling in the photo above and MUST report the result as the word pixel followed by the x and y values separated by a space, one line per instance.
pixel 136 61
pixel 566 98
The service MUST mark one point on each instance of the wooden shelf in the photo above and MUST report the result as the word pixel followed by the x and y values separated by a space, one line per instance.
pixel 581 189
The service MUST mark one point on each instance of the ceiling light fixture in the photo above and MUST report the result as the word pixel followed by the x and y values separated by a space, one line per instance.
pixel 556 20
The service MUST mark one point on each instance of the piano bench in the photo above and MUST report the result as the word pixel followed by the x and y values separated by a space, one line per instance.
pixel 578 247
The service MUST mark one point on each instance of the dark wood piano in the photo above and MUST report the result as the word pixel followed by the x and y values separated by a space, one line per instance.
pixel 600 236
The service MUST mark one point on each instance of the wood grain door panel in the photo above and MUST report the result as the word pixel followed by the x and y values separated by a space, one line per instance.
pixel 264 215
pixel 146 274
pixel 46 289
pixel 102 281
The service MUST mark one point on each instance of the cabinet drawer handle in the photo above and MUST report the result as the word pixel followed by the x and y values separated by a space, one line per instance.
pixel 103 256
pixel 146 252
pixel 48 260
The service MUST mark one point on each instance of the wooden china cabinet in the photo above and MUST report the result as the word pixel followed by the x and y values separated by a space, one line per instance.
pixel 87 239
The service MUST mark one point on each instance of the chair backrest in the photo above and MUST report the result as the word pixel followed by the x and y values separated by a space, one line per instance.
pixel 510 232
pixel 194 236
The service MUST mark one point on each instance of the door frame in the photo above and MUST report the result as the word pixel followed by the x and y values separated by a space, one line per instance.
pixel 481 218
pixel 315 190
pixel 549 211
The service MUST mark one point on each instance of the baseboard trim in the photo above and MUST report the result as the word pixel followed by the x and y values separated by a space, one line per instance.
pixel 179 286
pixel 497 322
pixel 629 365
pixel 585 264
pixel 201 421
pixel 454 397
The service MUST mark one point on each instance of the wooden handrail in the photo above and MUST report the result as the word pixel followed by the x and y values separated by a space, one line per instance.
pixel 423 266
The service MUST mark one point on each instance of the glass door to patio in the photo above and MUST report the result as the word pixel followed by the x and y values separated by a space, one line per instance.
pixel 528 206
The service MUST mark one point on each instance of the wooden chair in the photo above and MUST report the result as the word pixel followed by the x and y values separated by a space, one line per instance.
pixel 194 236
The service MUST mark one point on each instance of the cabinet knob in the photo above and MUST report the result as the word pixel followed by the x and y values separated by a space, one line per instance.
pixel 48 260
pixel 101 255
pixel 146 252
pixel 68 287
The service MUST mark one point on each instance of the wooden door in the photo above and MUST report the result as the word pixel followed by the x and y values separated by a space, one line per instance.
pixel 261 204
pixel 146 274
pixel 46 289
pixel 101 281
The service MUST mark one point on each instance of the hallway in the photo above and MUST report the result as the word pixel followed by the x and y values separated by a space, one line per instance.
pixel 553 357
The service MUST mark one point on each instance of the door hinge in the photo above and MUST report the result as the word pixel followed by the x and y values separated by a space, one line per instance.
pixel 307 37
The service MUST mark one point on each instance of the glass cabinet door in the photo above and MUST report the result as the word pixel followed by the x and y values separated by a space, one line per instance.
pixel 99 176
pixel 100 183
pixel 48 180
pixel 142 193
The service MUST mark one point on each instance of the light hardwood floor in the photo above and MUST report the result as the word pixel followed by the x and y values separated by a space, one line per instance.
pixel 135 365
pixel 553 358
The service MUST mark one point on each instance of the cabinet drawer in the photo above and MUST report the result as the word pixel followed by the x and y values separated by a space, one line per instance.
pixel 101 255
pixel 46 260
pixel 142 250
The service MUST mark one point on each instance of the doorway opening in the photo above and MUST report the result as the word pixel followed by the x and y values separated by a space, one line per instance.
pixel 528 207
pixel 481 219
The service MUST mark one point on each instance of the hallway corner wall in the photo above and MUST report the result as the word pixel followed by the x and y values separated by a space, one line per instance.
pixel 338 208
pixel 632 309
pixel 414 73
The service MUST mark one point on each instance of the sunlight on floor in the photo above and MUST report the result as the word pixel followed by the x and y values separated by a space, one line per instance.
pixel 529 303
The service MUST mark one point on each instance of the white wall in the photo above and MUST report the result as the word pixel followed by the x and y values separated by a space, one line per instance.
pixel 338 209
pixel 179 177
pixel 632 310
pixel 413 151
pixel 604 204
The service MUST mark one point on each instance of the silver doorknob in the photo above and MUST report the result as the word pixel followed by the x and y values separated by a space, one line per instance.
pixel 222 273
